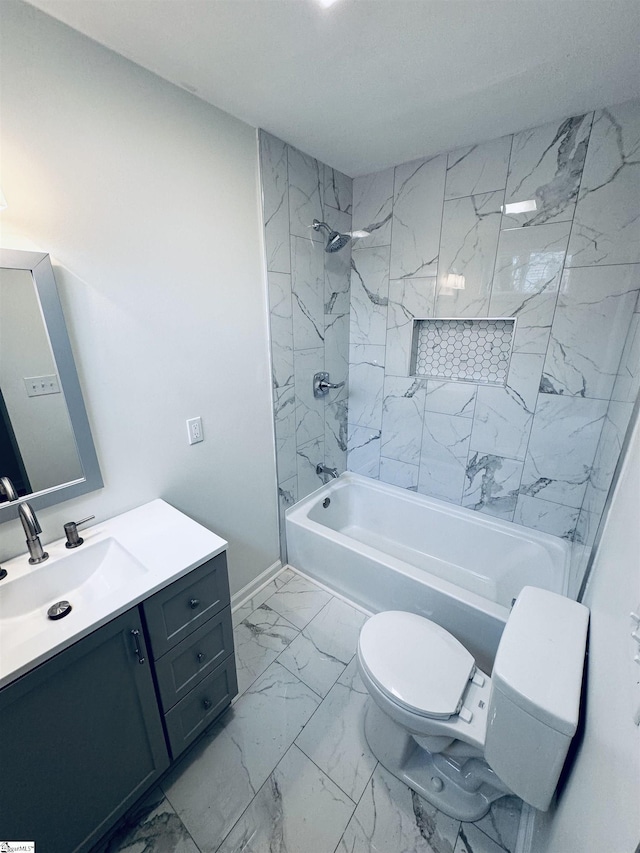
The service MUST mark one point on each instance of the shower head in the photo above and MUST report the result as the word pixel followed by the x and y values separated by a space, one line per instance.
pixel 335 240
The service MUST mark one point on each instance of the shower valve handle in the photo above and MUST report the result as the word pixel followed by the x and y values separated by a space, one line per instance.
pixel 322 385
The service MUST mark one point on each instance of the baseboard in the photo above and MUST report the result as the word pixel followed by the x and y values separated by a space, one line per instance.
pixel 254 586
pixel 526 828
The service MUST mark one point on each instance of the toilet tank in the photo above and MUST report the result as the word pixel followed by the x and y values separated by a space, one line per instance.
pixel 535 693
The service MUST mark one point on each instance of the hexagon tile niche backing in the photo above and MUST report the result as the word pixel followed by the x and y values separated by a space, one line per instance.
pixel 469 350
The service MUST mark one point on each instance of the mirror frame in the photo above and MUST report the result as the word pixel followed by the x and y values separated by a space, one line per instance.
pixel 39 265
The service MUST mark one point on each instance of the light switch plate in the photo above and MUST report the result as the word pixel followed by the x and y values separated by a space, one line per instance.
pixel 38 385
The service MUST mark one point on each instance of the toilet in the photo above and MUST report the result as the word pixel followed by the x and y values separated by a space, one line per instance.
pixel 459 737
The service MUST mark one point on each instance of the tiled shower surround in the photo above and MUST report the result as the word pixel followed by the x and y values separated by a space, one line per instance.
pixel 540 451
pixel 309 312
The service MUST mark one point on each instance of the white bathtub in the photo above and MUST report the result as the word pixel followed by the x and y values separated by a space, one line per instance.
pixel 390 549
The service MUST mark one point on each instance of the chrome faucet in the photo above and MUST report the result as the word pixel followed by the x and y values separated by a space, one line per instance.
pixel 32 531
pixel 30 523
pixel 322 469
pixel 7 488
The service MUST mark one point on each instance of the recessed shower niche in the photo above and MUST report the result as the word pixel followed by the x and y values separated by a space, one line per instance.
pixel 462 349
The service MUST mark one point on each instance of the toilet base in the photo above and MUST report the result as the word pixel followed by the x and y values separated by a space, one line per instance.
pixel 461 786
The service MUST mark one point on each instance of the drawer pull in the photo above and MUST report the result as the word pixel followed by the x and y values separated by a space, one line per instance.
pixel 201 656
pixel 206 703
pixel 135 634
pixel 195 602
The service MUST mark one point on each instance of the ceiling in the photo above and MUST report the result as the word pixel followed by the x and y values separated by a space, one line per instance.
pixel 369 83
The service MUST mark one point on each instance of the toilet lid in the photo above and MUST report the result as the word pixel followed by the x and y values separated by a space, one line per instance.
pixel 415 662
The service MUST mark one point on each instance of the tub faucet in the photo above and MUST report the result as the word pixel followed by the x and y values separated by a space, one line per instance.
pixel 323 469
pixel 32 531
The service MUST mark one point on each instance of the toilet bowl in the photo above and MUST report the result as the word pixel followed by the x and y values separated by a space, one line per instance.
pixel 459 737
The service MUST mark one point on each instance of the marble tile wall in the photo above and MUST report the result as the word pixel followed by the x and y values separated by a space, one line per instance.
pixel 540 451
pixel 309 306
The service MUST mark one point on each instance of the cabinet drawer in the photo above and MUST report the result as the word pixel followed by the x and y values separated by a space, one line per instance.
pixel 181 608
pixel 188 663
pixel 186 720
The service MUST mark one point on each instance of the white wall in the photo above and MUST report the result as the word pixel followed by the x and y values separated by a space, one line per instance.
pixel 599 809
pixel 147 200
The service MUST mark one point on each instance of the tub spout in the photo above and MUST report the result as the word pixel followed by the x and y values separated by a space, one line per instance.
pixel 323 469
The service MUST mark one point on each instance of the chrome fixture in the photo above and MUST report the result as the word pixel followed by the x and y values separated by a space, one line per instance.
pixel 335 240
pixel 71 532
pixel 323 469
pixel 322 385
pixel 32 531
pixel 7 488
pixel 30 524
pixel 59 610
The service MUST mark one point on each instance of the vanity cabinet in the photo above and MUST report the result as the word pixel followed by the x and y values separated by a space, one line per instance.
pixel 81 740
pixel 86 733
pixel 191 640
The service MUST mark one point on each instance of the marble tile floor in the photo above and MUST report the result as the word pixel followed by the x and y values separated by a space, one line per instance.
pixel 287 767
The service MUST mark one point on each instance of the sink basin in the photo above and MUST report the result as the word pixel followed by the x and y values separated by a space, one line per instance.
pixel 81 577
pixel 122 561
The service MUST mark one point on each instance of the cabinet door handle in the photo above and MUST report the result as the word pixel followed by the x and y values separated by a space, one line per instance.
pixel 201 656
pixel 195 602
pixel 135 634
pixel 206 703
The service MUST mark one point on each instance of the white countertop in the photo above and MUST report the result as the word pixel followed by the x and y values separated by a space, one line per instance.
pixel 165 542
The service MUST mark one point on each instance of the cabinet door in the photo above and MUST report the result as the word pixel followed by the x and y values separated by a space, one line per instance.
pixel 80 741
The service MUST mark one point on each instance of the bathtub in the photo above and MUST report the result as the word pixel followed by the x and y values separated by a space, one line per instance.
pixel 387 548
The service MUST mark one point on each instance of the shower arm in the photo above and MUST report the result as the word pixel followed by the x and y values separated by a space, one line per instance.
pixel 317 225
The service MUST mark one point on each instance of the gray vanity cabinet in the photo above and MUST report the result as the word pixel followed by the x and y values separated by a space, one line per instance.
pixel 80 740
pixel 191 639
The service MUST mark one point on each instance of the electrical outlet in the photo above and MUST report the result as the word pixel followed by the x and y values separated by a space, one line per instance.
pixel 194 430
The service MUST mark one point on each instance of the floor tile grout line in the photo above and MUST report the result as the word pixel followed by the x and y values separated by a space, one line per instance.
pixel 322 700
pixel 294 743
pixel 486 834
pixel 297 675
pixel 176 812
pixel 299 632
pixel 310 640
pixel 257 793
pixel 328 775
pixel 265 781
pixel 311 759
pixel 364 791
pixel 351 799
pixel 289 624
pixel 377 763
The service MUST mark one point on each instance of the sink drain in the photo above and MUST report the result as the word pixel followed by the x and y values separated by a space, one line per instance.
pixel 59 610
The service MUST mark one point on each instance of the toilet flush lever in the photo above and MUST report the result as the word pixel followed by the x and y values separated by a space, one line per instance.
pixel 71 532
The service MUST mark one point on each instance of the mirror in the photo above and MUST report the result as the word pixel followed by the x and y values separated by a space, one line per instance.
pixel 46 448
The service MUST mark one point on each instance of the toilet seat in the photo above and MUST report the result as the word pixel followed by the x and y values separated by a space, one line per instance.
pixel 415 663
